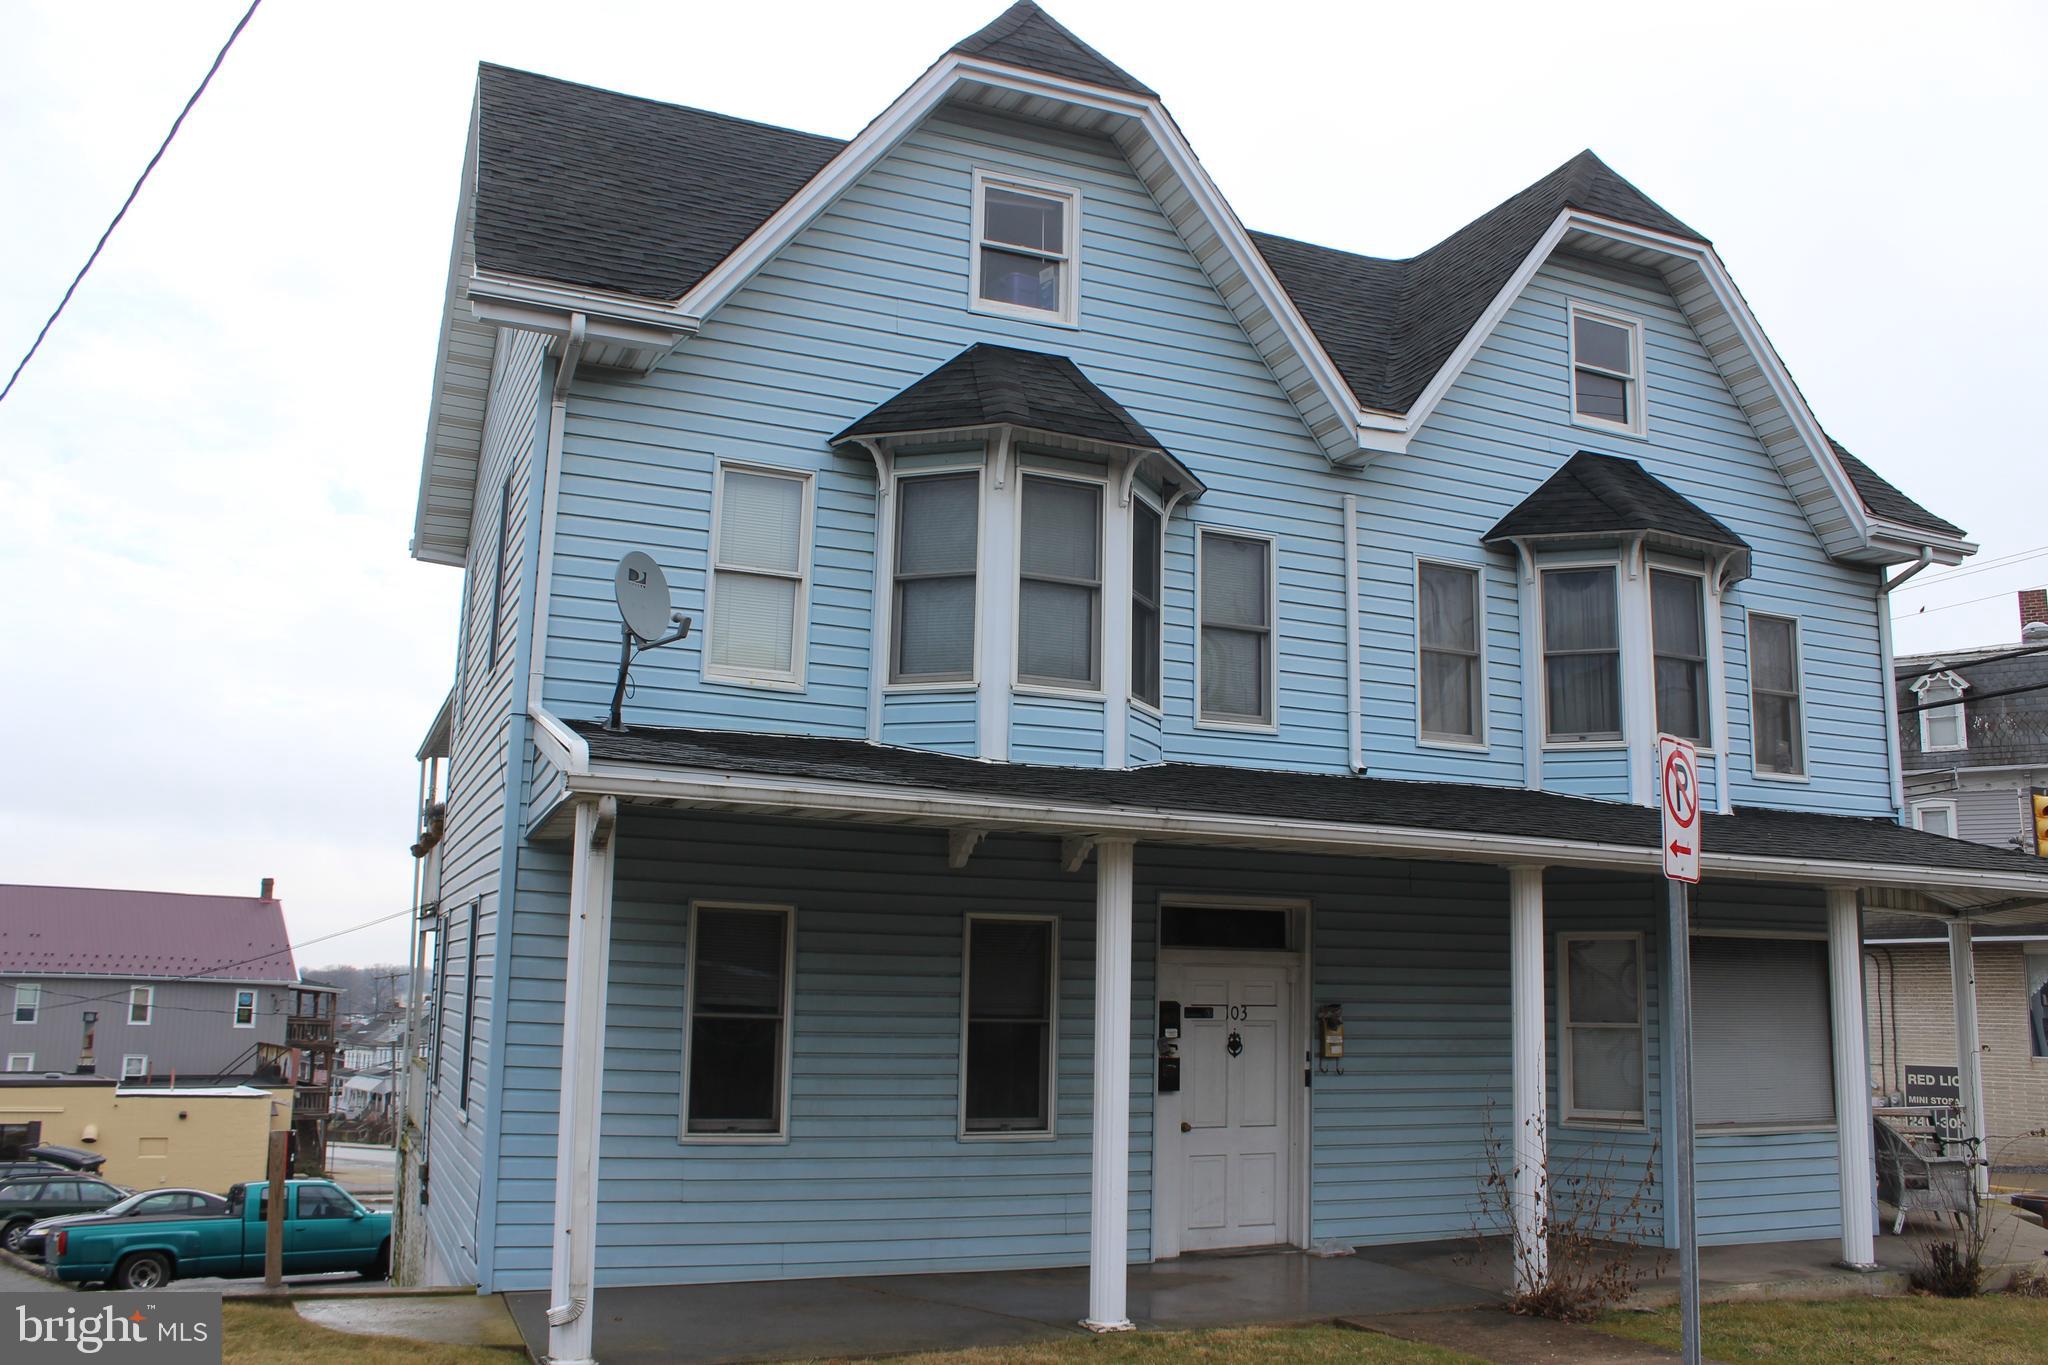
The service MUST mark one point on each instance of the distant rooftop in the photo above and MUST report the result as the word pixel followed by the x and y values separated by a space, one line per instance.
pixel 87 931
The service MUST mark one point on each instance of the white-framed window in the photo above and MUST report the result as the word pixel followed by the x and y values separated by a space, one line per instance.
pixel 1450 630
pixel 1235 603
pixel 1059 582
pixel 1581 655
pixel 1777 720
pixel 21 1061
pixel 758 595
pixel 1942 726
pixel 1601 1051
pixel 1026 258
pixel 1148 576
pixel 1607 370
pixel 135 1066
pixel 1009 1025
pixel 1935 817
pixel 737 1035
pixel 1678 635
pixel 1755 998
pixel 245 1009
pixel 28 1002
pixel 141 1004
pixel 938 537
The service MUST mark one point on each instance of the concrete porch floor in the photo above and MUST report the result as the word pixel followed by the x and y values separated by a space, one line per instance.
pixel 894 1314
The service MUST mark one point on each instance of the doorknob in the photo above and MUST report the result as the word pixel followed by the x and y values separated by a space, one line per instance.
pixel 1186 1127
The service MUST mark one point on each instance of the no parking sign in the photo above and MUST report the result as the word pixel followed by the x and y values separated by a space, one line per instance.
pixel 1678 773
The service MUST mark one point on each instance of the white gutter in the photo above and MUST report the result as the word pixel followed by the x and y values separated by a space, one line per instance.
pixel 564 748
pixel 735 790
pixel 550 498
pixel 1926 558
pixel 1354 704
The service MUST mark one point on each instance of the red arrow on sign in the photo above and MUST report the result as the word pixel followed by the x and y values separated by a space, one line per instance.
pixel 1680 849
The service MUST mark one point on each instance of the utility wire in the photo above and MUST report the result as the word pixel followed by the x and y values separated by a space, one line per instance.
pixel 176 123
pixel 1951 606
pixel 1987 566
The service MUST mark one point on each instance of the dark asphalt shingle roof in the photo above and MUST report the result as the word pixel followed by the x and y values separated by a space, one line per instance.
pixel 991 385
pixel 1260 793
pixel 1025 35
pixel 1886 501
pixel 1600 494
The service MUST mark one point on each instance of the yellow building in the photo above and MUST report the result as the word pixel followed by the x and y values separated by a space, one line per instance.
pixel 203 1138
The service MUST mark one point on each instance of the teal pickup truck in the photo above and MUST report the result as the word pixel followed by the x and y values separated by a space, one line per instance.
pixel 324 1229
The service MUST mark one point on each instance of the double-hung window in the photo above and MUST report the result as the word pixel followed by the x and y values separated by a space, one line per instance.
pixel 1942 726
pixel 759 552
pixel 1147 571
pixel 1024 243
pixel 1600 988
pixel 1778 732
pixel 141 1004
pixel 937 535
pixel 28 1002
pixel 736 1058
pixel 1607 363
pixel 1935 817
pixel 245 1009
pixel 1012 988
pixel 1059 592
pixel 1581 656
pixel 1678 627
pixel 1236 655
pixel 1453 697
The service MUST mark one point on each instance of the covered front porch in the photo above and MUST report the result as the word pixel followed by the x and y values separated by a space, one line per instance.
pixel 1443 949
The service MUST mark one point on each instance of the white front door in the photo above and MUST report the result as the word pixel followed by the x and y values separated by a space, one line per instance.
pixel 1234 1135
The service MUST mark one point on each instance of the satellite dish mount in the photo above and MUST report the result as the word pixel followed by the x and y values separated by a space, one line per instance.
pixel 644 614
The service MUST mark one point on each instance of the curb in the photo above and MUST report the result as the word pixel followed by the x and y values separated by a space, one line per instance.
pixel 29 1267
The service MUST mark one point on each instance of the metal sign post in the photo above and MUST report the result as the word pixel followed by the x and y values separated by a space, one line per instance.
pixel 1679 781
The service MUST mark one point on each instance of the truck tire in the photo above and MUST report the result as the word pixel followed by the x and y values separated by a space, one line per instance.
pixel 14 1234
pixel 143 1270
pixel 380 1269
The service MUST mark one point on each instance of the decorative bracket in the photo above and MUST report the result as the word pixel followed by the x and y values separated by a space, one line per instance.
pixel 1075 848
pixel 607 821
pixel 961 842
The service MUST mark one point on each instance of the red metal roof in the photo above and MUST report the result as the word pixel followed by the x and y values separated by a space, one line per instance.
pixel 85 931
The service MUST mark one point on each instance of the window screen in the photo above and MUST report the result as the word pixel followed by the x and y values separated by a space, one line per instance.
pixel 759 576
pixel 1779 733
pixel 1010 992
pixel 1237 629
pixel 1146 572
pixel 738 1020
pixel 1754 999
pixel 936 539
pixel 1603 1028
pixel 1581 655
pixel 1678 623
pixel 1059 596
pixel 1448 622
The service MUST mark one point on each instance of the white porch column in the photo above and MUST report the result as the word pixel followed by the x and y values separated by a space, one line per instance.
pixel 570 1315
pixel 1962 971
pixel 1109 1208
pixel 1852 1079
pixel 1525 957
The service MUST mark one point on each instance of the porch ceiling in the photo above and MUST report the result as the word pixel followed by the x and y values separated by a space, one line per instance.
pixel 817 778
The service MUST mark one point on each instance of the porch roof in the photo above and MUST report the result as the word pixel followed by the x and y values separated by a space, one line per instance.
pixel 844 778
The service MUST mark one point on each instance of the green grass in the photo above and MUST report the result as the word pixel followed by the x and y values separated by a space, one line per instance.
pixel 1226 1346
pixel 1995 1330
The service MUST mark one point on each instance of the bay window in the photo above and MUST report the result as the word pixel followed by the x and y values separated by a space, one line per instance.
pixel 937 539
pixel 1581 656
pixel 1147 570
pixel 1678 630
pixel 1059 592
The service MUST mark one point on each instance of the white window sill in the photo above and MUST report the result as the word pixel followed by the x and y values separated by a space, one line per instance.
pixel 749 683
pixel 1793 779
pixel 1585 746
pixel 1465 746
pixel 1238 727
pixel 733 1140
pixel 1605 1125
pixel 1053 690
pixel 1632 433
pixel 1140 704
pixel 946 685
pixel 1007 1137
pixel 1022 313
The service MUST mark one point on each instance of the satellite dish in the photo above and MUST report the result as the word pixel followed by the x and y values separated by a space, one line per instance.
pixel 643 595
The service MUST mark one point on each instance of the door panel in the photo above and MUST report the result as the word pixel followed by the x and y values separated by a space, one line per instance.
pixel 1234 1157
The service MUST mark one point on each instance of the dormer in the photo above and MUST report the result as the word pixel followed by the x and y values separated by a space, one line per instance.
pixel 1944 728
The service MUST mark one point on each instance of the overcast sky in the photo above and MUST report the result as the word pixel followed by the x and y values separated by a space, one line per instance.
pixel 216 658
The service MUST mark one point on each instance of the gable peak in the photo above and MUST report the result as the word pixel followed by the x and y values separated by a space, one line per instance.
pixel 1025 35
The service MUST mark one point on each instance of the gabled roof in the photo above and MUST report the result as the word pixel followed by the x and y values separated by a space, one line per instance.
pixel 1600 495
pixel 1886 501
pixel 1002 386
pixel 1025 35
pixel 1391 324
pixel 85 931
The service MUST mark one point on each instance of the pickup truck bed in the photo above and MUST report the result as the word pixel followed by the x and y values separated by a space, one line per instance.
pixel 325 1229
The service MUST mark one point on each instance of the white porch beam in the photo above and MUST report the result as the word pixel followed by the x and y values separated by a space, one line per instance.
pixel 570 1314
pixel 1109 1209
pixel 1858 1169
pixel 1525 957
pixel 1962 971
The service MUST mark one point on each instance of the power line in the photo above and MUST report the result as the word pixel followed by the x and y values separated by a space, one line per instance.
pixel 176 123
pixel 1951 606
pixel 2004 562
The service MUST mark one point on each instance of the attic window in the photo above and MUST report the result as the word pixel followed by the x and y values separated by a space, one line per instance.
pixel 1024 262
pixel 1607 368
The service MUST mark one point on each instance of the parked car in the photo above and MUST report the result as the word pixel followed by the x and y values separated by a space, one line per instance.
pixel 27 1200
pixel 324 1229
pixel 15 1170
pixel 141 1204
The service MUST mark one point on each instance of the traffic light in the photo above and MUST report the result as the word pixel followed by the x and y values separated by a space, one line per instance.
pixel 2040 805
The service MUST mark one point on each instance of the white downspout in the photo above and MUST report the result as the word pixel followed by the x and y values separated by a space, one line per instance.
pixel 1354 704
pixel 558 416
pixel 1894 763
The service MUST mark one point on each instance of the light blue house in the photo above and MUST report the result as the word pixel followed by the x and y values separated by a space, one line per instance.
pixel 1124 645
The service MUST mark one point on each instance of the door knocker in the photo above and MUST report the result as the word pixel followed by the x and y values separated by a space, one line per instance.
pixel 1235 1047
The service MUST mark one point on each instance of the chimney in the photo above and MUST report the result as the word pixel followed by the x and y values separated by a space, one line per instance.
pixel 2033 614
pixel 270 888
